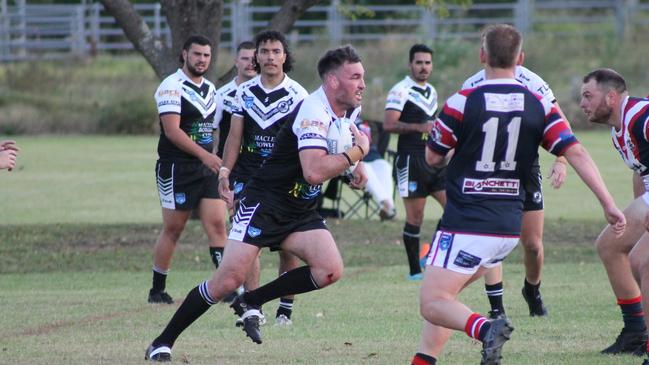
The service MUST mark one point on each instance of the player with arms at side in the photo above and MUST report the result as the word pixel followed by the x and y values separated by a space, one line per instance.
pixel 605 100
pixel 262 106
pixel 186 168
pixel 245 66
pixel 278 206
pixel 410 111
pixel 495 130
pixel 532 225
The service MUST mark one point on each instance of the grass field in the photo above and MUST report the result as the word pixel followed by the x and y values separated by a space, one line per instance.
pixel 80 214
pixel 103 180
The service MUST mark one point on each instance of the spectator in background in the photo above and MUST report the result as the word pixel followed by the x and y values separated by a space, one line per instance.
pixel 8 153
pixel 379 175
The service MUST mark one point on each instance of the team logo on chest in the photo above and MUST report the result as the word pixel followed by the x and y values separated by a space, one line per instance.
pixel 249 101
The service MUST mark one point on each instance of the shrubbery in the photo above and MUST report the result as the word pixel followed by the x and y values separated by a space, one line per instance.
pixel 115 94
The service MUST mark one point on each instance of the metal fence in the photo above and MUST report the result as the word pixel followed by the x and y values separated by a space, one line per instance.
pixel 29 31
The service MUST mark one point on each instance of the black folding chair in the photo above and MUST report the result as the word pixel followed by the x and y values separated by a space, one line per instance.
pixel 358 204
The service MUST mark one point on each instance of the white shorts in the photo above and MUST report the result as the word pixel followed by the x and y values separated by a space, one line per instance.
pixel 466 253
pixel 645 197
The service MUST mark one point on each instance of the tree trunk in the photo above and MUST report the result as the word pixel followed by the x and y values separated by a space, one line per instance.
pixel 282 21
pixel 138 32
pixel 188 17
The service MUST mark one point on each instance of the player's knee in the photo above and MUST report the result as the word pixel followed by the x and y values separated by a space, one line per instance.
pixel 604 247
pixel 225 285
pixel 328 274
pixel 533 246
pixel 173 231
pixel 639 265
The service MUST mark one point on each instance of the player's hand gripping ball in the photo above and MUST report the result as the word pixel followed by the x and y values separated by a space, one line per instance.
pixel 340 139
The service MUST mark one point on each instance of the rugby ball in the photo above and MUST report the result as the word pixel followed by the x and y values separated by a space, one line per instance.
pixel 340 139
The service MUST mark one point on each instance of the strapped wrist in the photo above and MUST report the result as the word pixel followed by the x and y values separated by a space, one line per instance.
pixel 349 160
pixel 355 154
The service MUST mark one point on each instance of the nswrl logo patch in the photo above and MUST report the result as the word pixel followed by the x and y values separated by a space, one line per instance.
pixel 180 198
pixel 445 241
pixel 254 231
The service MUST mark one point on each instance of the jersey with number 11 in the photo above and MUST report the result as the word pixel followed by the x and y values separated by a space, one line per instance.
pixel 495 130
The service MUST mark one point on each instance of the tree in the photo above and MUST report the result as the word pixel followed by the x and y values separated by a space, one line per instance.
pixel 187 17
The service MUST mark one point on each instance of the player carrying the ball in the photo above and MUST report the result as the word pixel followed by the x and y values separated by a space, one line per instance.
pixel 278 205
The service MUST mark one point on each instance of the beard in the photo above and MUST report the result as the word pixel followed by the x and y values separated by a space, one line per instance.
pixel 601 115
pixel 421 77
pixel 192 70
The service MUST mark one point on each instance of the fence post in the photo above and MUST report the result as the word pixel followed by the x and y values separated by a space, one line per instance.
pixel 621 17
pixel 334 24
pixel 429 23
pixel 79 35
pixel 22 29
pixel 94 29
pixel 523 15
pixel 157 29
pixel 5 27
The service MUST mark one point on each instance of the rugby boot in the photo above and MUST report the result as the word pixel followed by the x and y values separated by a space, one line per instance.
pixel 628 342
pixel 492 345
pixel 497 314
pixel 160 353
pixel 160 297
pixel 251 316
pixel 535 304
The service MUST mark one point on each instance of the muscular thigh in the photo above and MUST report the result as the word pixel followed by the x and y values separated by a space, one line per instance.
pixel 311 246
pixel 635 215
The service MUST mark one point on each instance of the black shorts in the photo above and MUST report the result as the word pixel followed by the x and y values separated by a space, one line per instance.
pixel 533 190
pixel 263 222
pixel 415 178
pixel 182 185
pixel 237 183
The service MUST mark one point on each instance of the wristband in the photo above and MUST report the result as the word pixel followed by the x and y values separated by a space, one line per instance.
pixel 362 150
pixel 349 160
pixel 354 154
pixel 223 168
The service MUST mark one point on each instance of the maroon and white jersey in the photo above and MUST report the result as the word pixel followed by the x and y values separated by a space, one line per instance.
pixel 632 140
pixel 495 130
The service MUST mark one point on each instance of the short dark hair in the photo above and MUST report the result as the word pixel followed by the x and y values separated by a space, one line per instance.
pixel 245 45
pixel 334 58
pixel 607 77
pixel 201 40
pixel 502 44
pixel 420 48
pixel 272 35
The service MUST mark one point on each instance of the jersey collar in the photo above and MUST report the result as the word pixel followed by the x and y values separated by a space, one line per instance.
pixel 184 77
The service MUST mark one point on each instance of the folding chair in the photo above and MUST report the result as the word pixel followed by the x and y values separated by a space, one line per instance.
pixel 360 204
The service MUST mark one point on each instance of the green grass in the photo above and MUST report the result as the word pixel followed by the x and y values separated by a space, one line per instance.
pixel 80 215
pixel 81 179
pixel 370 317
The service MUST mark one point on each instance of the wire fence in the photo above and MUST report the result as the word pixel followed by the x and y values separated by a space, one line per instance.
pixel 30 31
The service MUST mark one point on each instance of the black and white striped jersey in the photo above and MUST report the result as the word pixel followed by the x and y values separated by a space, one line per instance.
pixel 196 105
pixel 264 112
pixel 224 106
pixel 417 105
